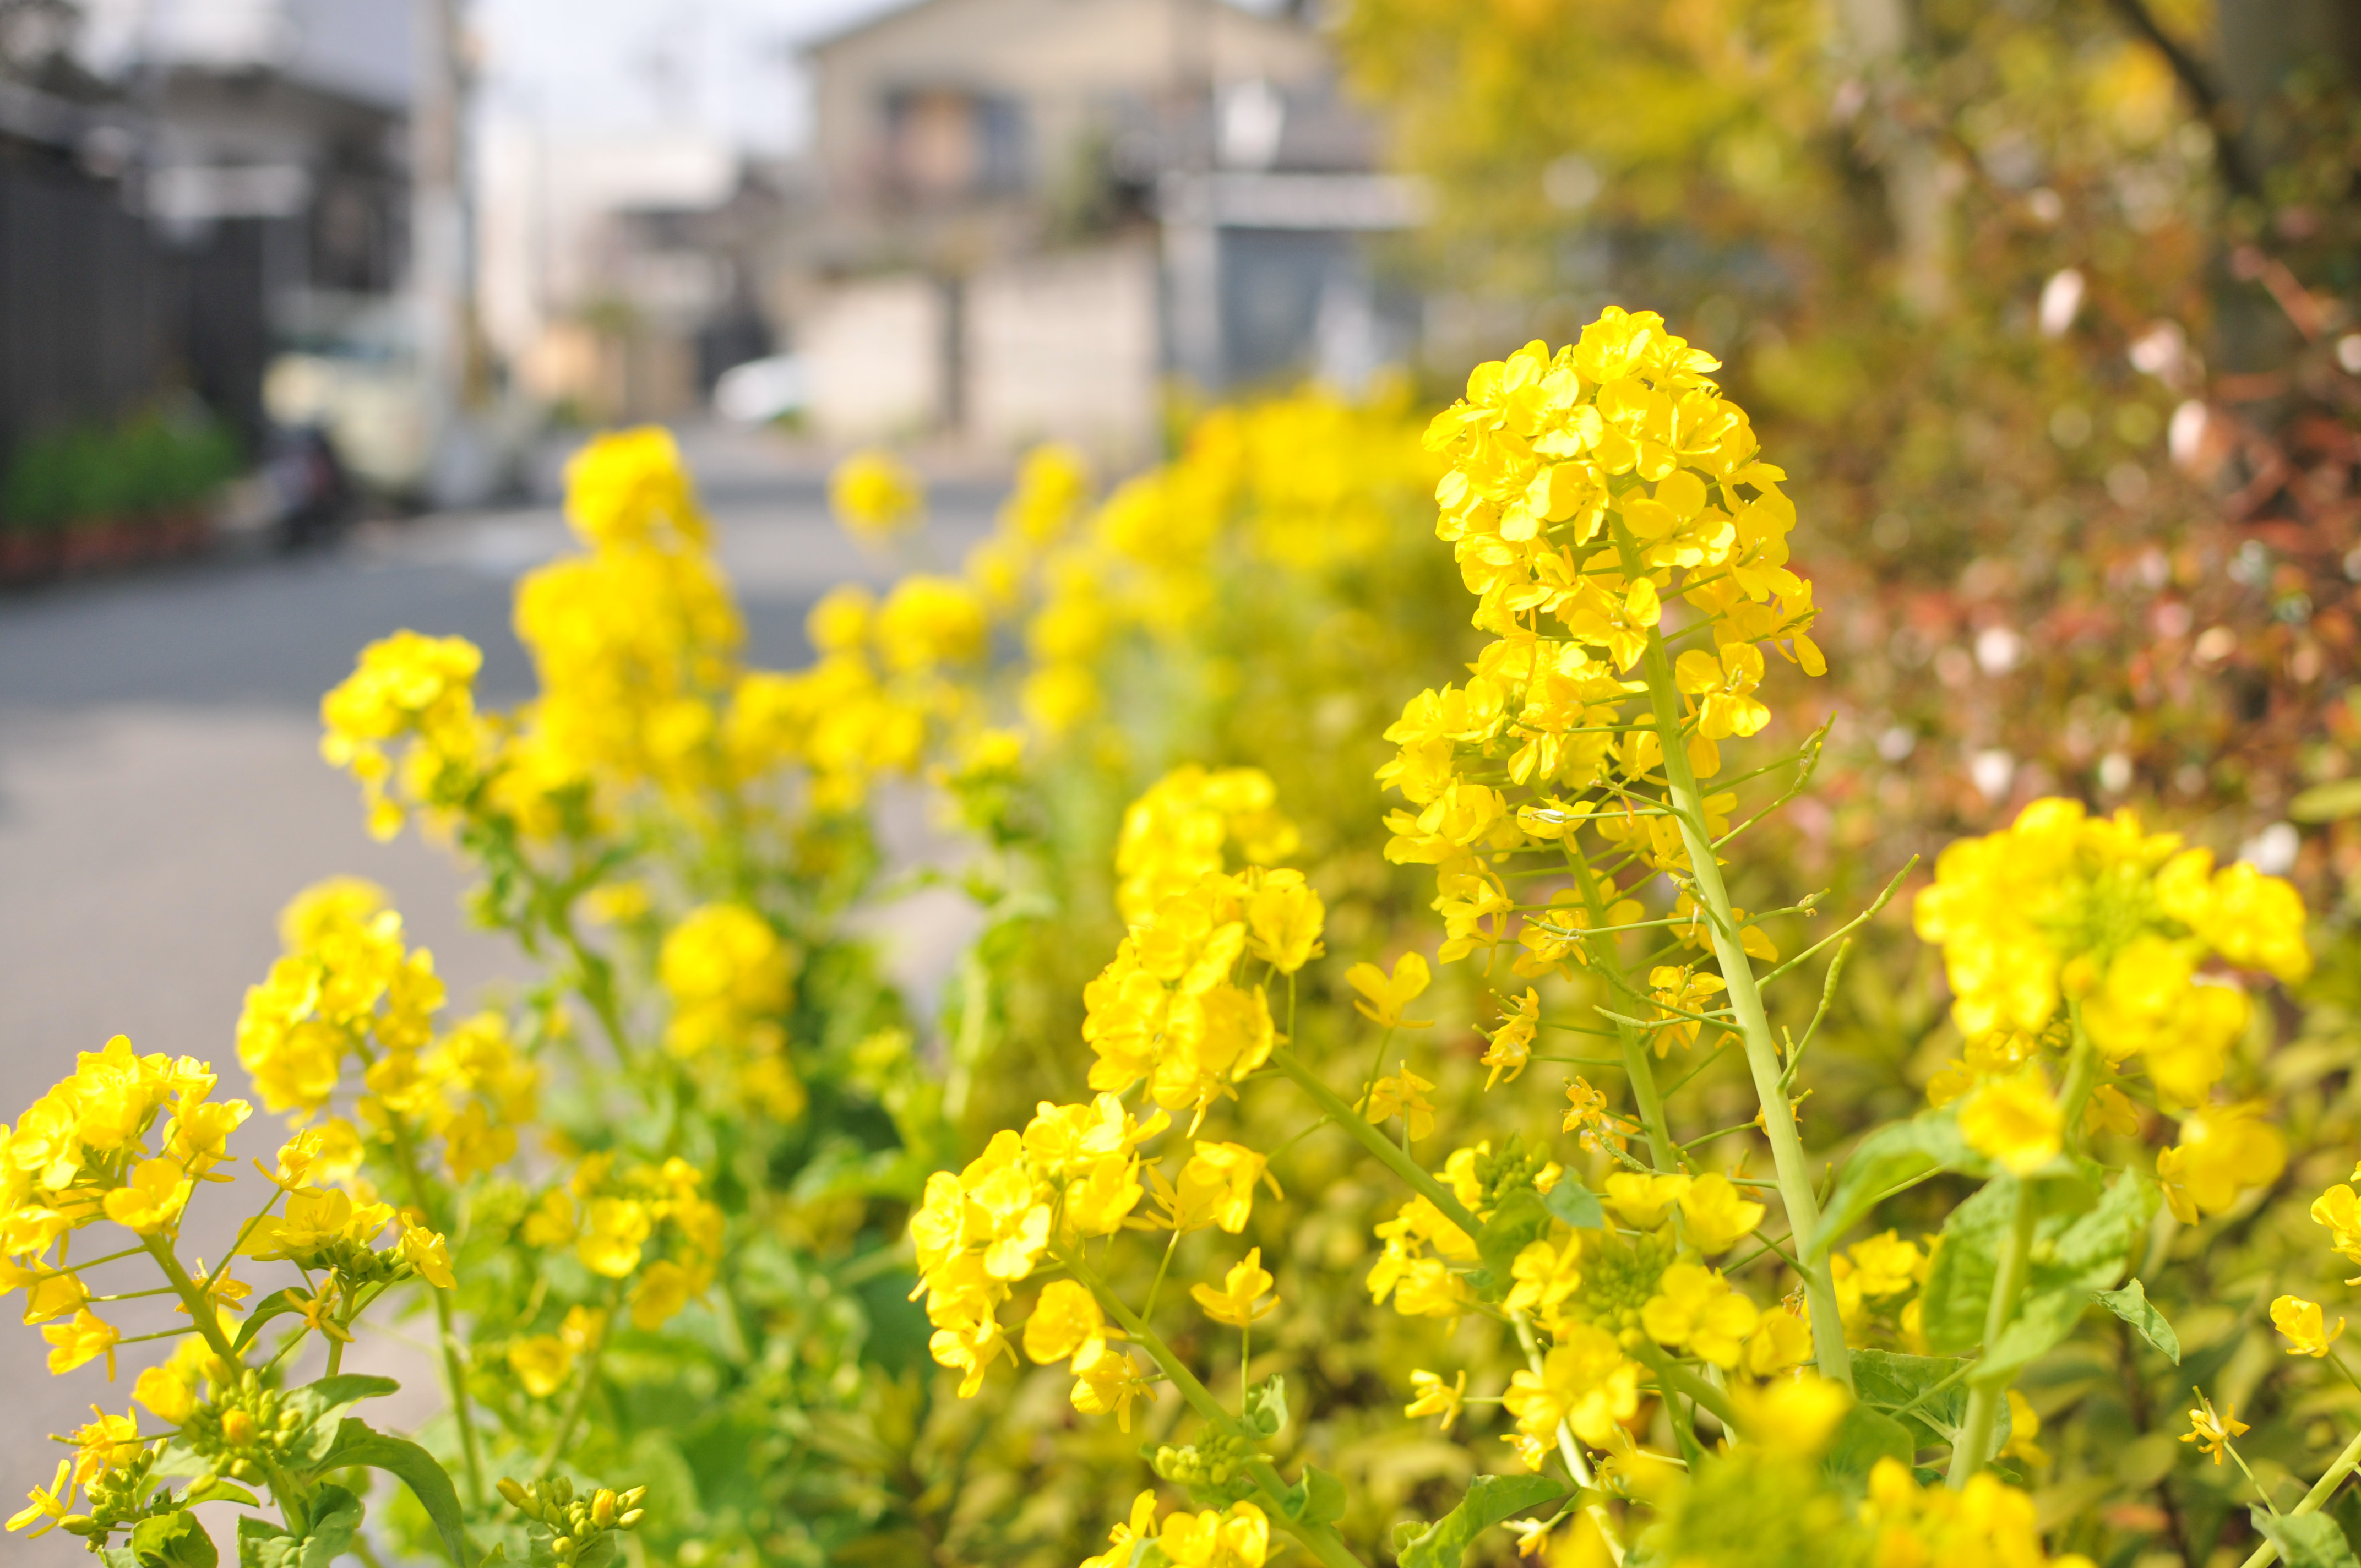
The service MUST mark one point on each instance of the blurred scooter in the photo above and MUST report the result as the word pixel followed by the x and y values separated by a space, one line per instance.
pixel 312 495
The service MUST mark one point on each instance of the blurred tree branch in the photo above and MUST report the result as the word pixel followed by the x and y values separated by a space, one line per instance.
pixel 2207 98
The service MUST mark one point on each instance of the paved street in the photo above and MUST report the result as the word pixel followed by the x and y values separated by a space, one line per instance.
pixel 161 795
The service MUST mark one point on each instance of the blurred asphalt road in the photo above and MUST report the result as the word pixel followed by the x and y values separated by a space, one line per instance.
pixel 161 796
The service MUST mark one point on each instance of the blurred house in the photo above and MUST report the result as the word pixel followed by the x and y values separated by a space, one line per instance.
pixel 1032 211
pixel 183 185
pixel 621 275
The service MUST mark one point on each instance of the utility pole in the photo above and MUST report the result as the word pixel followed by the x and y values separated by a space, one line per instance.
pixel 1186 202
pixel 457 469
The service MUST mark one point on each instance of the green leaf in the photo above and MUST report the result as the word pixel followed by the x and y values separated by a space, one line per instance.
pixel 1960 1286
pixel 357 1443
pixel 2041 1321
pixel 1519 1220
pixel 2306 1541
pixel 117 1557
pixel 1324 1497
pixel 254 1535
pixel 278 1304
pixel 336 1515
pixel 220 1489
pixel 1897 1385
pixel 2074 1256
pixel 1266 1407
pixel 1888 1158
pixel 1489 1499
pixel 2131 1305
pixel 1865 1436
pixel 1573 1203
pixel 173 1541
pixel 2081 1245
pixel 322 1403
pixel 2327 802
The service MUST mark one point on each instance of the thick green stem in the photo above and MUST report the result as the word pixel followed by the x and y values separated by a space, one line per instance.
pixel 1320 1539
pixel 1787 1158
pixel 2322 1490
pixel 1393 1158
pixel 1969 1454
pixel 200 1306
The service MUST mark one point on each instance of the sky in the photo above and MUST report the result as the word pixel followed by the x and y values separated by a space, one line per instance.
pixel 725 66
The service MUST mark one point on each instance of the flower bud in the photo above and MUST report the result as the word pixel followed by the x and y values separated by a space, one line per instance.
pixel 631 1519
pixel 632 1499
pixel 563 1489
pixel 76 1524
pixel 513 1493
pixel 602 1509
pixel 562 1545
pixel 238 1428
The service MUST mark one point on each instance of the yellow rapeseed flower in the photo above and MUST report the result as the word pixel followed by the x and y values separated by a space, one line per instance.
pixel 2306 1326
pixel 1239 1302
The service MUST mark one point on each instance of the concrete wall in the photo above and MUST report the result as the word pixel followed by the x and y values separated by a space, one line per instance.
pixel 1065 346
pixel 876 351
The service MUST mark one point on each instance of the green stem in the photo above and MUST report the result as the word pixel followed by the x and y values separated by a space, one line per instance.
pixel 1984 1398
pixel 583 1382
pixel 1636 1067
pixel 1672 1377
pixel 200 1307
pixel 455 1366
pixel 1322 1541
pixel 2322 1490
pixel 597 987
pixel 1787 1158
pixel 1374 1142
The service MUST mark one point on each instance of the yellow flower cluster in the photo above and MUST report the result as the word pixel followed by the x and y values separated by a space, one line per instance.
pixel 636 646
pixel 614 1220
pixel 635 643
pixel 2062 912
pixel 1169 1008
pixel 730 978
pixel 1074 1173
pixel 862 711
pixel 1988 1522
pixel 408 685
pixel 127 1138
pixel 1302 483
pixel 874 494
pixel 1587 490
pixel 1234 1537
pixel 346 990
pixel 1173 835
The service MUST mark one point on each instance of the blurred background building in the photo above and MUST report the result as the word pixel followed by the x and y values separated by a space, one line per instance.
pixel 1008 219
pixel 185 188
pixel 981 222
